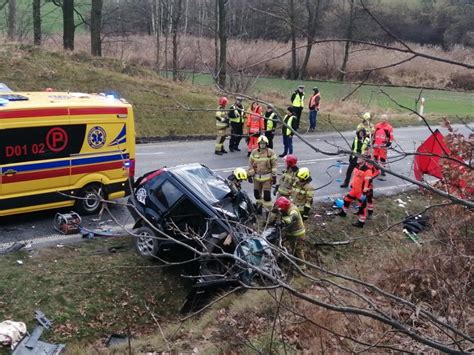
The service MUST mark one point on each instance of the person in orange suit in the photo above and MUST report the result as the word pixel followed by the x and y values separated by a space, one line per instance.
pixel 255 126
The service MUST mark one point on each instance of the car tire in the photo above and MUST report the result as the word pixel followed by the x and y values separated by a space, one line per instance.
pixel 89 201
pixel 146 243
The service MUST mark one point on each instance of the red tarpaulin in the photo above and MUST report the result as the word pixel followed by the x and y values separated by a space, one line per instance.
pixel 430 164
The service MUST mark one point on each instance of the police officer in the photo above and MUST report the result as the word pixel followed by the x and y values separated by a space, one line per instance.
pixel 359 145
pixel 270 125
pixel 222 125
pixel 302 193
pixel 236 118
pixel 297 102
pixel 262 172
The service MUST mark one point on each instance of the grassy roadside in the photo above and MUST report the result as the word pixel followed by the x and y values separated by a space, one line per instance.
pixel 157 100
pixel 91 293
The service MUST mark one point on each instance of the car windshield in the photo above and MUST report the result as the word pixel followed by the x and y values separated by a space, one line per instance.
pixel 200 179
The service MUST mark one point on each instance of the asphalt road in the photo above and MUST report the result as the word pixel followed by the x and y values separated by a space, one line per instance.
pixel 37 227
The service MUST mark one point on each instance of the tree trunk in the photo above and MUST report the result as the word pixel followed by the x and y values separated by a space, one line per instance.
pixel 157 17
pixel 293 71
pixel 11 19
pixel 68 25
pixel 216 40
pixel 178 10
pixel 223 42
pixel 37 34
pixel 347 46
pixel 311 31
pixel 96 27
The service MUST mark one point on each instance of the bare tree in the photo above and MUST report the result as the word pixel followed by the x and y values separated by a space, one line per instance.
pixel 37 32
pixel 293 74
pixel 349 36
pixel 11 19
pixel 175 22
pixel 222 41
pixel 96 27
pixel 313 9
pixel 69 26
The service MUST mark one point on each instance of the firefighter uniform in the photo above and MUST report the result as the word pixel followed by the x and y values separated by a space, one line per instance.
pixel 262 170
pixel 236 118
pixel 222 125
pixel 270 126
pixel 294 231
pixel 302 195
pixel 360 186
pixel 286 182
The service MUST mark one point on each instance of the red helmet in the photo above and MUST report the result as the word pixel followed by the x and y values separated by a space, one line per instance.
pixel 223 101
pixel 282 203
pixel 291 160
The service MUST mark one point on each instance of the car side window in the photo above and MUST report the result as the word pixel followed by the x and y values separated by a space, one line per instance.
pixel 168 194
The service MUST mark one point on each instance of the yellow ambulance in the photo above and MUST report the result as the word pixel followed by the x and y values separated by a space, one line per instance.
pixel 60 149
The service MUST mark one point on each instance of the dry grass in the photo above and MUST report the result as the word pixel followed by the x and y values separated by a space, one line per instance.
pixel 326 58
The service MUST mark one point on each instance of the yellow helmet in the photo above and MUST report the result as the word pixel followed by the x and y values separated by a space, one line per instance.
pixel 366 116
pixel 240 174
pixel 262 139
pixel 303 174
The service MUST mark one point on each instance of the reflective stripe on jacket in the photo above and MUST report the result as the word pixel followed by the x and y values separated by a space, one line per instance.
pixel 221 119
pixel 262 163
pixel 286 182
pixel 269 123
pixel 236 114
pixel 294 222
pixel 359 146
pixel 302 194
pixel 361 178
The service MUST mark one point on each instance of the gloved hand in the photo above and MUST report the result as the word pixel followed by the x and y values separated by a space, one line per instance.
pixel 305 217
pixel 363 198
pixel 250 179
pixel 274 179
pixel 389 144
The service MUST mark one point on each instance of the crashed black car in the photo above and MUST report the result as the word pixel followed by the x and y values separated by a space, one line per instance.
pixel 194 206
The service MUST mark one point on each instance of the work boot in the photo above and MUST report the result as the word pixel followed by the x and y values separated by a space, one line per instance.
pixel 282 155
pixel 218 153
pixel 344 185
pixel 237 149
pixel 369 214
pixel 358 224
pixel 231 150
pixel 342 214
pixel 224 151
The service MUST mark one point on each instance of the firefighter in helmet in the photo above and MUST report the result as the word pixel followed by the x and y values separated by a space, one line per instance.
pixel 262 173
pixel 222 126
pixel 288 176
pixel 302 193
pixel 294 231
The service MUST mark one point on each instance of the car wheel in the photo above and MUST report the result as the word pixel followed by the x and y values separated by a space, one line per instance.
pixel 90 199
pixel 146 243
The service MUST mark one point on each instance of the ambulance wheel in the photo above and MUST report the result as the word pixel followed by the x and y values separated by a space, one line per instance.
pixel 146 243
pixel 89 199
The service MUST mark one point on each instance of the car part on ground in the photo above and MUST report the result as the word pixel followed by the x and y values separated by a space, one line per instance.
pixel 13 248
pixel 31 345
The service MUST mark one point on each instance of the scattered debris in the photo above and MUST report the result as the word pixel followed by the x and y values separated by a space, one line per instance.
pixel 31 344
pixel 116 339
pixel 13 248
pixel 11 332
pixel 67 223
pixel 413 225
pixel 19 262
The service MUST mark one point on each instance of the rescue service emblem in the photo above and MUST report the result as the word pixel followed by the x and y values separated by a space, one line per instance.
pixel 96 137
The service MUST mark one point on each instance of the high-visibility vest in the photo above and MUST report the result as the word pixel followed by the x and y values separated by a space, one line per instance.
pixel 298 101
pixel 360 146
pixel 269 123
pixel 238 112
pixel 288 120
pixel 312 101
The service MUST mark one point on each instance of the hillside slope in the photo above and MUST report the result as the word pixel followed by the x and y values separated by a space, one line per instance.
pixel 26 68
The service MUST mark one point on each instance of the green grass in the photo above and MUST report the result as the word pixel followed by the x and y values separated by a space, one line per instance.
pixel 88 292
pixel 449 103
pixel 158 101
